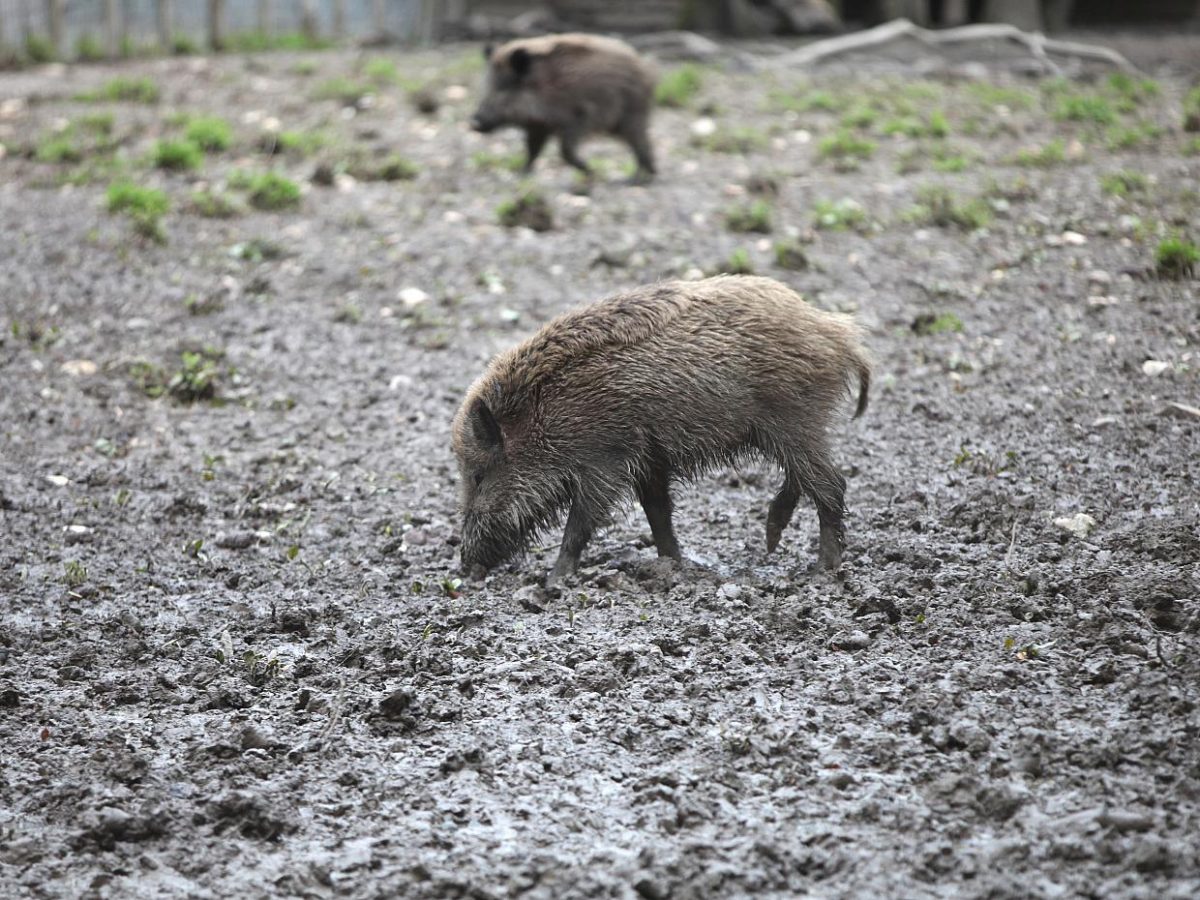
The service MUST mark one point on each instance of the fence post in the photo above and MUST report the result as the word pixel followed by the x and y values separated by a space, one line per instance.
pixel 378 19
pixel 54 15
pixel 308 19
pixel 216 30
pixel 110 29
pixel 165 15
pixel 339 19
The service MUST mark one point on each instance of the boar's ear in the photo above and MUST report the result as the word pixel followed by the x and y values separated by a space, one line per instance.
pixel 484 424
pixel 487 52
pixel 520 61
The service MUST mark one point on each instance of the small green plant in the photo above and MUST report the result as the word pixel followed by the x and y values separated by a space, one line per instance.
pixel 739 263
pixel 392 167
pixel 529 208
pixel 296 143
pixel 177 155
pixel 790 255
pixel 144 206
pixel 939 323
pixel 937 205
pixel 741 140
pixel 182 45
pixel 196 378
pixel 1053 154
pixel 210 133
pixel 75 573
pixel 125 90
pixel 212 204
pixel 267 190
pixel 945 160
pixel 1124 183
pixel 1176 257
pixel 862 117
pixel 997 95
pixel 88 49
pixel 845 147
pixel 486 161
pixel 1191 110
pixel 344 90
pixel 39 49
pixel 100 123
pixel 1085 108
pixel 839 215
pixel 678 86
pixel 1125 85
pixel 756 217
pixel 60 148
pixel 1126 137
pixel 820 100
pixel 381 70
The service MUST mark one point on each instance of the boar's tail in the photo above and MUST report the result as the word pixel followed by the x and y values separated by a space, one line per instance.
pixel 864 385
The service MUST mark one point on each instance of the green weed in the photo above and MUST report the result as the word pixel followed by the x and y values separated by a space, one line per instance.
pixel 755 217
pixel 210 133
pixel 678 86
pixel 177 155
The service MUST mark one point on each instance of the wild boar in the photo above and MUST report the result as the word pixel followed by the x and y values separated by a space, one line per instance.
pixel 570 86
pixel 660 384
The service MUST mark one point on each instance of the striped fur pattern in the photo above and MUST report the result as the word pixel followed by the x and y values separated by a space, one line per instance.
pixel 660 384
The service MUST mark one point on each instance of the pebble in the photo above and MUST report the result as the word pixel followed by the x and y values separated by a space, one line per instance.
pixel 852 640
pixel 58 480
pixel 412 297
pixel 236 540
pixel 1154 367
pixel 1099 276
pixel 77 534
pixel 1080 524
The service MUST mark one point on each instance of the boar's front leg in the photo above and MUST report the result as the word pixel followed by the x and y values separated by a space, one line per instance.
pixel 654 492
pixel 535 139
pixel 581 522
pixel 568 145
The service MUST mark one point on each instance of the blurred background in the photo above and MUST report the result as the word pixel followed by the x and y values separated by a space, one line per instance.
pixel 44 30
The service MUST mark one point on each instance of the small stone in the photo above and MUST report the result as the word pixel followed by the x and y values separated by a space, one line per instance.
pixel 1126 820
pixel 531 598
pixel 1073 238
pixel 254 738
pixel 456 93
pixel 1080 524
pixel 412 297
pixel 703 127
pixel 58 480
pixel 1154 367
pixel 236 540
pixel 78 367
pixel 397 703
pixel 1099 276
pixel 729 592
pixel 77 534
pixel 852 640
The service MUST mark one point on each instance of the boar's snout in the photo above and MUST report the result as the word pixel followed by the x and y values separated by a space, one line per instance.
pixel 486 544
pixel 483 124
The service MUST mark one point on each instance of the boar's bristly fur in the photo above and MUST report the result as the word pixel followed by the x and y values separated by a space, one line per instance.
pixel 659 384
pixel 570 86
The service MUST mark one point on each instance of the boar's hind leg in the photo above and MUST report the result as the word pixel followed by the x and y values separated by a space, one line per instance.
pixel 654 492
pixel 634 134
pixel 535 140
pixel 828 489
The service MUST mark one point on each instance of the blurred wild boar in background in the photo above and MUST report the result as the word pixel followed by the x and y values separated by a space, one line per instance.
pixel 570 86
pixel 659 384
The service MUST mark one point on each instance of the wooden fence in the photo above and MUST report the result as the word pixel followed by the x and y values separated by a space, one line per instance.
pixel 89 29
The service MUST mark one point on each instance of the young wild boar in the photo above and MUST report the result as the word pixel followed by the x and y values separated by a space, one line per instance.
pixel 648 387
pixel 570 86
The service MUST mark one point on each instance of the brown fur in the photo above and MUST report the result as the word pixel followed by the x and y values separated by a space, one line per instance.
pixel 655 385
pixel 570 86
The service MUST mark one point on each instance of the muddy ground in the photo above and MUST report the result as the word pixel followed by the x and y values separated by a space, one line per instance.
pixel 234 655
